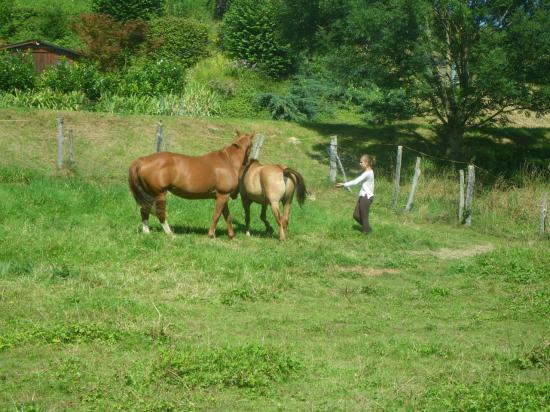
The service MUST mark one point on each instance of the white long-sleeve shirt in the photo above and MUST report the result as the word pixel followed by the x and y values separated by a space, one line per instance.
pixel 367 188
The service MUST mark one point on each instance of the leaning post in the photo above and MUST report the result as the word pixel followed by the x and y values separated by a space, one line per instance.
pixel 397 176
pixel 470 194
pixel 461 197
pixel 333 157
pixel 70 148
pixel 342 170
pixel 414 185
pixel 543 213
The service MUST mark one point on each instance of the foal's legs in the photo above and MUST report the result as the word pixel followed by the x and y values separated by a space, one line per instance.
pixel 160 211
pixel 278 218
pixel 246 207
pixel 221 201
pixel 263 217
pixel 286 215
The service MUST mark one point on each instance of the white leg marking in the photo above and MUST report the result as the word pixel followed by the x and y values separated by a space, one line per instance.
pixel 146 226
pixel 166 228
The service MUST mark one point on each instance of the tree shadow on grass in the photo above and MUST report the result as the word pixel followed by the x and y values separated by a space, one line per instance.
pixel 504 151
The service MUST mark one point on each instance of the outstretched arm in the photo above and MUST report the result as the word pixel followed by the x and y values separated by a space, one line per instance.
pixel 355 181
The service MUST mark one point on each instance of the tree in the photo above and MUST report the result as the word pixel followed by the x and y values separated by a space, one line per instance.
pixel 250 33
pixel 7 26
pixel 108 42
pixel 129 9
pixel 467 63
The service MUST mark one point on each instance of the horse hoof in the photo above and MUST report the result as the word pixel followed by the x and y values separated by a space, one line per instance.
pixel 248 234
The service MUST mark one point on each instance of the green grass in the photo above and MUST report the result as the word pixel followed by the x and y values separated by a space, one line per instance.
pixel 422 314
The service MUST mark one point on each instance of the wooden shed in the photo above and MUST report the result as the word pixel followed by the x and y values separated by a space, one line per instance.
pixel 44 54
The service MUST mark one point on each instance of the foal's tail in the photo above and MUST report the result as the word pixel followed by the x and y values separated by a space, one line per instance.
pixel 301 191
pixel 144 199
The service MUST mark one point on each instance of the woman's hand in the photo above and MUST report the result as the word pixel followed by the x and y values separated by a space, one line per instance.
pixel 339 185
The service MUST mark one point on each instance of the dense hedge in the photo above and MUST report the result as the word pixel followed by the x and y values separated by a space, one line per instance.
pixel 184 40
pixel 249 33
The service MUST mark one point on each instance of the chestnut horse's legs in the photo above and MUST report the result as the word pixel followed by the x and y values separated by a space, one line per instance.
pixel 246 207
pixel 229 221
pixel 221 203
pixel 145 218
pixel 263 218
pixel 160 211
pixel 277 214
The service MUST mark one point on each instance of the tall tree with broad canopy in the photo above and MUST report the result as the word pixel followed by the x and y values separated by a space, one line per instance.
pixel 467 63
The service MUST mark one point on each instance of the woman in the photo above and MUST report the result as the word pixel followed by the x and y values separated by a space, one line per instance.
pixel 366 194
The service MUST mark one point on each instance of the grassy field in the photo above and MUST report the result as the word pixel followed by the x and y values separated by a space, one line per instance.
pixel 420 315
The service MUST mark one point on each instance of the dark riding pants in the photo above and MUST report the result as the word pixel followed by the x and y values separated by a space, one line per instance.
pixel 361 213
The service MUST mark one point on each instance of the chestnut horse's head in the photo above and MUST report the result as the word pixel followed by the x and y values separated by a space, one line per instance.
pixel 244 143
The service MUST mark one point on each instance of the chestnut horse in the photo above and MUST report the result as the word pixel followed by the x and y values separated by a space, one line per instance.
pixel 214 175
pixel 268 185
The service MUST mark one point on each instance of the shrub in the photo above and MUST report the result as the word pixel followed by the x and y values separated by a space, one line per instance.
pixel 152 78
pixel 307 99
pixel 75 77
pixel 249 32
pixel 16 72
pixel 45 99
pixel 281 107
pixel 197 100
pixel 129 9
pixel 177 39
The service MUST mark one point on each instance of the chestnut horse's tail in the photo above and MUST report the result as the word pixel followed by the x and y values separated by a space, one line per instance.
pixel 144 199
pixel 301 191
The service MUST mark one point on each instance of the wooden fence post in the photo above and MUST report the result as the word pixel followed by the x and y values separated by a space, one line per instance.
pixel 397 176
pixel 470 194
pixel 160 136
pixel 333 156
pixel 70 147
pixel 414 184
pixel 543 211
pixel 60 139
pixel 256 146
pixel 461 197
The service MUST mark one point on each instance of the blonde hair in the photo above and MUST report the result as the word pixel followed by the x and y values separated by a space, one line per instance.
pixel 371 160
